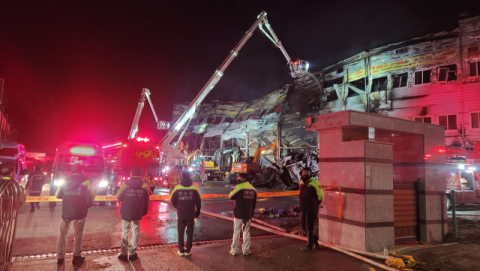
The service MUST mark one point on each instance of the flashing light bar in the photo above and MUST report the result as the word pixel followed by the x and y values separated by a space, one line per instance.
pixel 112 145
pixel 82 150
pixel 143 139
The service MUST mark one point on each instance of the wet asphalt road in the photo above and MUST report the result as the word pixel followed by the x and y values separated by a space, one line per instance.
pixel 37 231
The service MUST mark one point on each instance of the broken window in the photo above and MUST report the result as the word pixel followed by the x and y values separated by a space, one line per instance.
pixel 475 120
pixel 360 83
pixel 449 121
pixel 379 84
pixel 330 83
pixel 473 49
pixel 447 73
pixel 422 77
pixel 401 51
pixel 400 80
pixel 423 119
pixel 474 69
pixel 332 96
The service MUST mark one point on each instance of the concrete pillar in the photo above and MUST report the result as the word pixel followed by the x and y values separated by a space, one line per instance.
pixel 363 170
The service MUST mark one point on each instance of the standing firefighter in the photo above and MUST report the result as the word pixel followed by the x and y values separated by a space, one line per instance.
pixel 311 195
pixel 134 196
pixel 77 196
pixel 245 198
pixel 35 185
pixel 186 199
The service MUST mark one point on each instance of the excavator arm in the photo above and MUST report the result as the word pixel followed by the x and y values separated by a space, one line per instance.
pixel 297 69
pixel 261 150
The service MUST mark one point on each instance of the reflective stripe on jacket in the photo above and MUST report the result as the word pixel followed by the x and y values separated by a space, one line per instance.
pixel 245 197
pixel 317 186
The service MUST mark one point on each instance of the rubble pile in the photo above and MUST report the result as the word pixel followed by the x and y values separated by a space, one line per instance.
pixel 285 173
pixel 273 213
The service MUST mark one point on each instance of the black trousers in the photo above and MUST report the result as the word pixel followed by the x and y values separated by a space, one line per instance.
pixel 308 220
pixel 181 225
pixel 32 204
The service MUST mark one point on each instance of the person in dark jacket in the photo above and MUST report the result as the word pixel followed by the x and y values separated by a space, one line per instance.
pixel 35 185
pixel 311 195
pixel 77 196
pixel 245 197
pixel 134 196
pixel 187 200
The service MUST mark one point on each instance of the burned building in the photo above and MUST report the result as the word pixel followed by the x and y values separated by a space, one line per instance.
pixel 432 79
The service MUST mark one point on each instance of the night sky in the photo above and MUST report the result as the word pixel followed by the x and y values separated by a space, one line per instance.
pixel 74 70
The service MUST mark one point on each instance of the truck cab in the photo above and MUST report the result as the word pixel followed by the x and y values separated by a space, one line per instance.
pixel 85 154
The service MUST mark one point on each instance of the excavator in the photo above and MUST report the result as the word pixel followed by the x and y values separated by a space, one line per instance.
pixel 169 152
pixel 250 165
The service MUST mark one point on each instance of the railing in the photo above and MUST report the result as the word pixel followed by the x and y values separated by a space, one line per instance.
pixel 10 200
pixel 464 220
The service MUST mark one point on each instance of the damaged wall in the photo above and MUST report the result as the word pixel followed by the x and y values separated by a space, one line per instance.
pixel 434 79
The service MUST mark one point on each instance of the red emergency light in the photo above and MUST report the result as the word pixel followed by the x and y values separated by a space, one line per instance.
pixel 155 178
pixel 427 156
pixel 158 147
pixel 442 151
pixel 143 139
pixel 125 145
pixel 82 150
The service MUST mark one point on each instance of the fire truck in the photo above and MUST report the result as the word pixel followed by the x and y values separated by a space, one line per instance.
pixel 463 177
pixel 122 155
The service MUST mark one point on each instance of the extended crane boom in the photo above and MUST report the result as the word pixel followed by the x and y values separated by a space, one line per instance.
pixel 161 125
pixel 297 69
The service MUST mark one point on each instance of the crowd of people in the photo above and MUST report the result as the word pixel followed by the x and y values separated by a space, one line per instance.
pixel 78 195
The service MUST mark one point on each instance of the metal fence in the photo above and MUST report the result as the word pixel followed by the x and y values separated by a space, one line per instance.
pixel 463 221
pixel 10 200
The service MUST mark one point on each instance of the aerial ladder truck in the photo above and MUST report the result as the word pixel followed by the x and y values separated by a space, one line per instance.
pixel 169 152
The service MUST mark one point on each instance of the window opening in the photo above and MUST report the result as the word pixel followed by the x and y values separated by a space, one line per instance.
pixel 229 120
pixel 400 80
pixel 475 117
pixel 474 69
pixel 473 49
pixel 330 83
pixel 401 51
pixel 422 77
pixel 449 121
pixel 423 119
pixel 332 96
pixel 360 83
pixel 447 73
pixel 379 84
